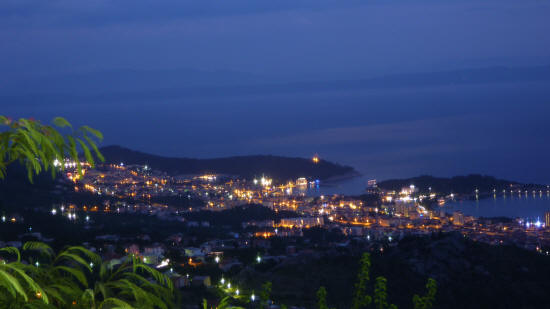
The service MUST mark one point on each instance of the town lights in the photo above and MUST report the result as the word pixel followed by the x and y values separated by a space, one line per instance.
pixel 253 297
pixel 258 259
pixel 237 292
pixel 217 259
pixel 54 211
pixel 222 281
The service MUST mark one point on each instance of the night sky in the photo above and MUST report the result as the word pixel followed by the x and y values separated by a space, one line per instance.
pixel 354 81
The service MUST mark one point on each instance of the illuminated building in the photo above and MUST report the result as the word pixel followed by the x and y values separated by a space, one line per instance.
pixel 372 187
pixel 301 182
pixel 547 219
pixel 372 183
pixel 301 222
pixel 458 218
pixel 315 159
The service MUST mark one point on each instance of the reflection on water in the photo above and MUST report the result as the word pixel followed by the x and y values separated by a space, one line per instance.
pixel 349 186
pixel 515 206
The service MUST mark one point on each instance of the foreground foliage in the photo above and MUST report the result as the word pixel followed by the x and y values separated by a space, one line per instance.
pixel 379 299
pixel 36 277
pixel 39 147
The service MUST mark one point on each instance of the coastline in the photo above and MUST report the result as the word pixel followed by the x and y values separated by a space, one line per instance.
pixel 333 180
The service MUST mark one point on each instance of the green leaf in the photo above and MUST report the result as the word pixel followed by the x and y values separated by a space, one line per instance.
pixel 70 257
pixel 76 273
pixel 87 152
pixel 40 247
pixel 114 303
pixel 12 285
pixel 96 150
pixel 31 284
pixel 94 132
pixel 13 251
pixel 61 122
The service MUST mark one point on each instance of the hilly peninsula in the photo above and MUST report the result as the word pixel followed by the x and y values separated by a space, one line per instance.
pixel 280 168
pixel 459 184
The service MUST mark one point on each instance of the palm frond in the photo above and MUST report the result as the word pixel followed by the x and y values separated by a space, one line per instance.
pixel 39 247
pixel 114 303
pixel 75 272
pixel 12 251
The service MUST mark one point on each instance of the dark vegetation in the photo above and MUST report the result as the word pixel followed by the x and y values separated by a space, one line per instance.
pixel 16 190
pixel 131 226
pixel 458 184
pixel 468 274
pixel 281 169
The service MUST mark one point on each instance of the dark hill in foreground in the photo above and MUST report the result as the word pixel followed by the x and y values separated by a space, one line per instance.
pixel 468 274
pixel 279 168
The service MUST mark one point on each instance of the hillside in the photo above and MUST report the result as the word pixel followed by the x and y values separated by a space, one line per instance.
pixel 469 274
pixel 458 184
pixel 279 168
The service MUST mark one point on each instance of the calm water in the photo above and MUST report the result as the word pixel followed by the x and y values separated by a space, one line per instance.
pixel 513 206
pixel 350 186
pixel 524 206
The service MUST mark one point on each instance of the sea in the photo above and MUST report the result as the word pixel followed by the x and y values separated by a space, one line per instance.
pixel 527 206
